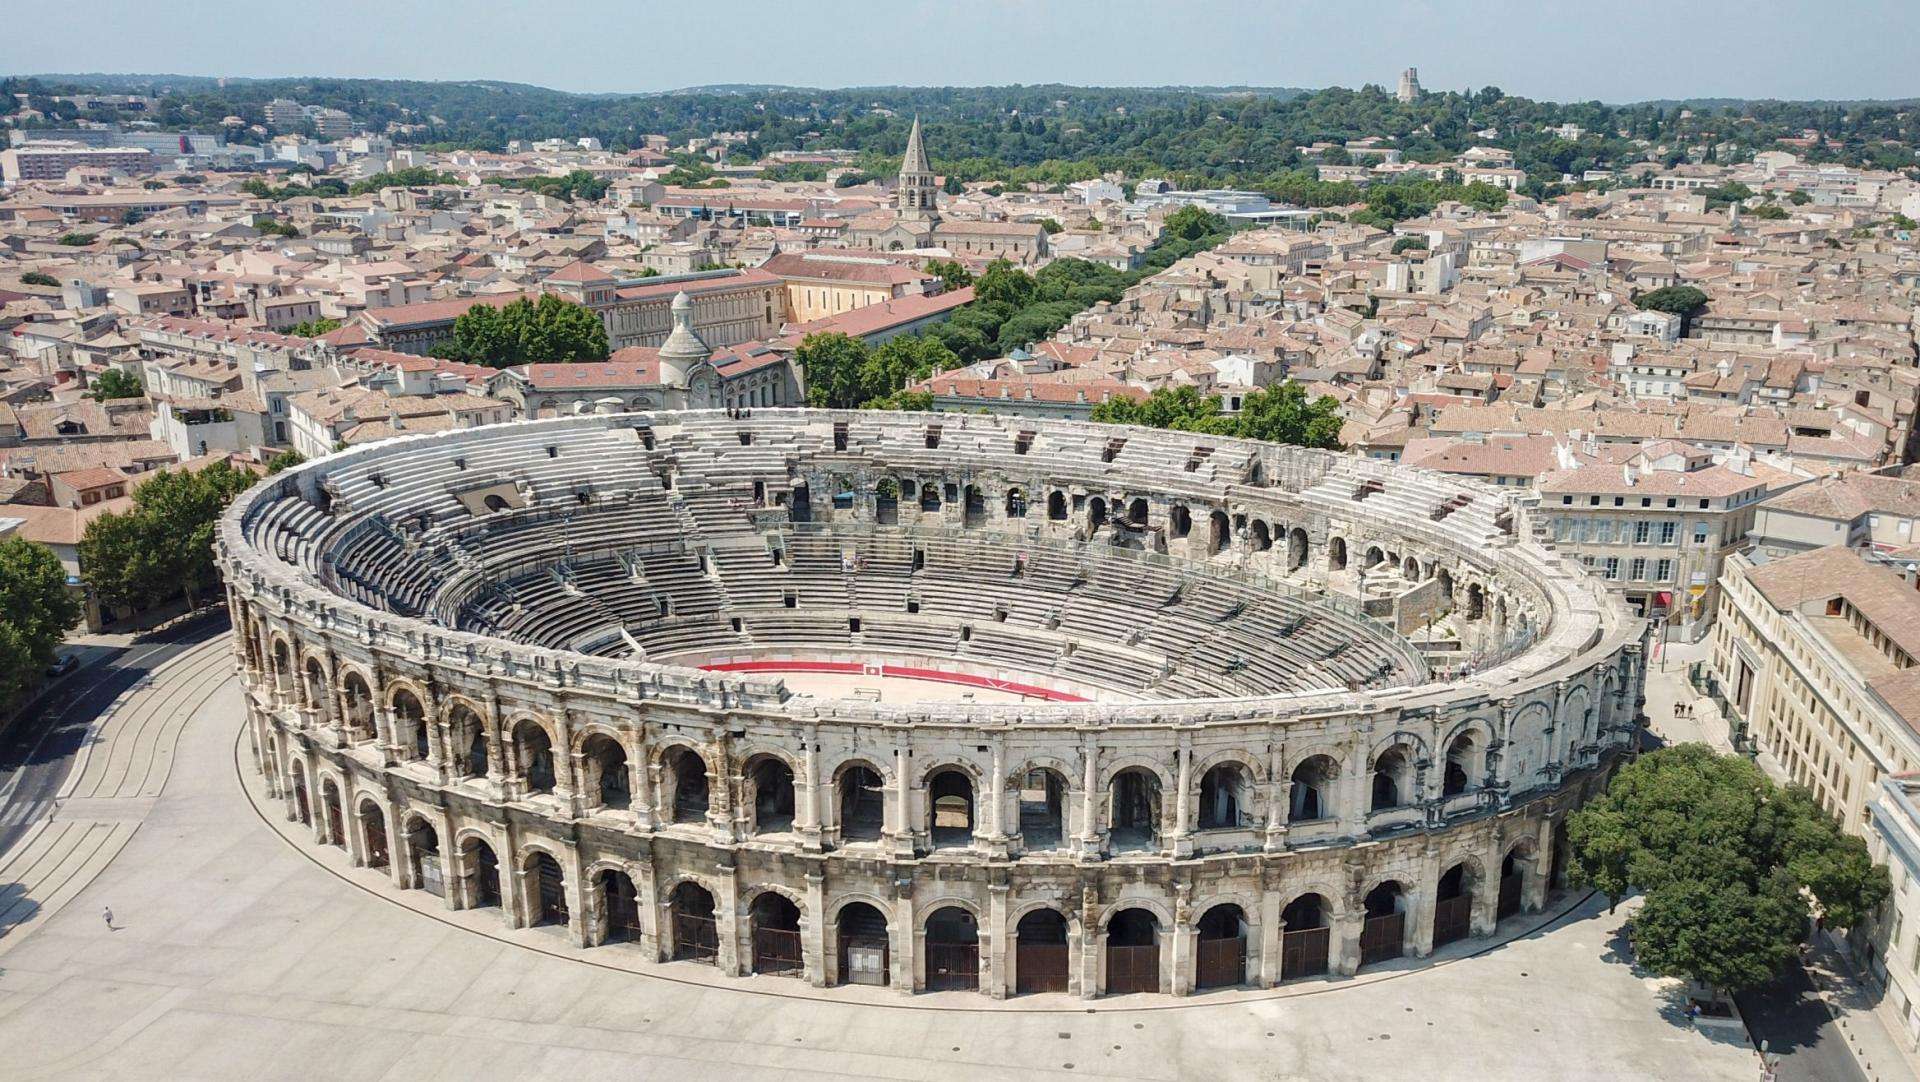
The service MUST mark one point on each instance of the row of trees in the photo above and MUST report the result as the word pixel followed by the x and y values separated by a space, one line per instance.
pixel 1733 867
pixel 1281 413
pixel 526 332
pixel 163 546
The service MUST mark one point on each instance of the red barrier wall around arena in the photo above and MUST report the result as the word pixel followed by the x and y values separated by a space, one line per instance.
pixel 901 672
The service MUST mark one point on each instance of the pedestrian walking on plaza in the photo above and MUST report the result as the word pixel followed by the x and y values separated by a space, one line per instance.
pixel 107 912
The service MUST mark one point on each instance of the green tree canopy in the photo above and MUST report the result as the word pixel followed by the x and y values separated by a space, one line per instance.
pixel 163 546
pixel 832 364
pixel 1277 414
pixel 39 278
pixel 36 611
pixel 115 383
pixel 285 460
pixel 951 272
pixel 314 328
pixel 1731 864
pixel 1682 301
pixel 527 332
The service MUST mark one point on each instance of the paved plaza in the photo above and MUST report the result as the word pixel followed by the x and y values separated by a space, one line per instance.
pixel 240 954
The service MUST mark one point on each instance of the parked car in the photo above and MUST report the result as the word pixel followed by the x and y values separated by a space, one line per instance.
pixel 62 665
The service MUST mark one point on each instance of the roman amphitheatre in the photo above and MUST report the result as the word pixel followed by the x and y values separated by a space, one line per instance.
pixel 949 703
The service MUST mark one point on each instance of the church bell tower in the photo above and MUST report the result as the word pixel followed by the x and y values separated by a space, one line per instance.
pixel 917 187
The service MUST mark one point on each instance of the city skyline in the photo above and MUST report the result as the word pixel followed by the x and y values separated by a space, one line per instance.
pixel 1652 53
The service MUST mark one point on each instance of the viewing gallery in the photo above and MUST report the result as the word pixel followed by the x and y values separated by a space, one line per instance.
pixel 933 701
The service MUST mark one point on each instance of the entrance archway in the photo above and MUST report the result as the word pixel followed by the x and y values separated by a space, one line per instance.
pixel 1040 952
pixel 1383 935
pixel 1042 802
pixel 1453 906
pixel 604 762
pixel 950 799
pixel 866 956
pixel 1225 796
pixel 1220 956
pixel 953 950
pixel 696 935
pixel 373 827
pixel 1133 952
pixel 1312 790
pixel 774 923
pixel 772 782
pixel 330 809
pixel 1512 878
pixel 863 812
pixel 1305 937
pixel 300 795
pixel 483 873
pixel 533 751
pixel 689 799
pixel 423 856
pixel 549 890
pixel 619 907
pixel 1136 810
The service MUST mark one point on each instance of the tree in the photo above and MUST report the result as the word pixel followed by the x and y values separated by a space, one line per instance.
pixel 268 224
pixel 1769 212
pixel 1282 414
pixel 76 240
pixel 36 611
pixel 163 546
pixel 39 278
pixel 1732 866
pixel 1799 199
pixel 951 272
pixel 525 332
pixel 1004 283
pixel 1051 226
pixel 1406 244
pixel 1682 301
pixel 115 383
pixel 952 185
pixel 832 363
pixel 314 328
pixel 285 460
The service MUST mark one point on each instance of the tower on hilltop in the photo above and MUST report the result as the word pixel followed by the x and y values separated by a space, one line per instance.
pixel 1409 85
pixel 917 187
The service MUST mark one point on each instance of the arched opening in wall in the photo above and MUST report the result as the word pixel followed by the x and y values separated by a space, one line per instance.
pixel 1220 952
pixel 1500 612
pixel 688 774
pixel 1383 934
pixel 930 496
pixel 800 502
pixel 696 934
pixel 469 742
pixel 316 681
pixel 1137 512
pixel 533 750
pixel 619 907
pixel 1133 952
pixel 862 801
pixel 1179 520
pixel 1453 906
pixel 1476 601
pixel 282 659
pixel 359 706
pixel 1446 585
pixel 1392 770
pixel 373 831
pixel 775 926
pixel 1040 952
pixel 334 820
pixel 1219 533
pixel 1016 503
pixel 1134 810
pixel 1410 569
pixel 865 951
pixel 886 502
pixel 1311 795
pixel 1096 512
pixel 605 763
pixel 1337 553
pixel 423 853
pixel 549 893
pixel 1374 557
pixel 1057 506
pixel 1042 800
pixel 409 726
pixel 974 507
pixel 1305 938
pixel 950 807
pixel 300 795
pixel 483 872
pixel 1462 761
pixel 772 781
pixel 1511 878
pixel 1296 549
pixel 1226 795
pixel 493 501
pixel 953 950
pixel 1262 536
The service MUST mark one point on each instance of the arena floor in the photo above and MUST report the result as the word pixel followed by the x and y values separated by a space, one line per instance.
pixel 239 954
pixel 899 685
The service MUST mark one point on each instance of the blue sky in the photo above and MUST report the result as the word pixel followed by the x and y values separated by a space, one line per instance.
pixel 1626 50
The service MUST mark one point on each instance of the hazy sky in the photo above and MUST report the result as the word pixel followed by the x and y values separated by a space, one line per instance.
pixel 1625 50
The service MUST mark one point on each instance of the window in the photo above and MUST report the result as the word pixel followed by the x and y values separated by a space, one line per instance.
pixel 1603 531
pixel 1613 567
pixel 1667 530
pixel 1642 530
pixel 1699 533
pixel 1663 571
pixel 1637 569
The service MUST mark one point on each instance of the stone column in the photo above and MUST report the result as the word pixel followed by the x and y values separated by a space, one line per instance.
pixel 901 938
pixel 901 832
pixel 1534 887
pixel 497 738
pixel 1270 929
pixel 813 941
pixel 991 832
pixel 1346 940
pixel 720 782
pixel 1183 944
pixel 1279 796
pixel 1180 838
pixel 582 906
pixel 806 792
pixel 1088 839
pixel 727 909
pixel 993 949
pixel 639 780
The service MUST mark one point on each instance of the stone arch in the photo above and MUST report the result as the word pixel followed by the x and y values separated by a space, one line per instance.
pixel 605 769
pixel 411 733
pixel 770 790
pixel 859 799
pixel 471 737
pixel 1314 781
pixel 1296 549
pixel 534 761
pixel 1227 792
pixel 685 781
pixel 1336 553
